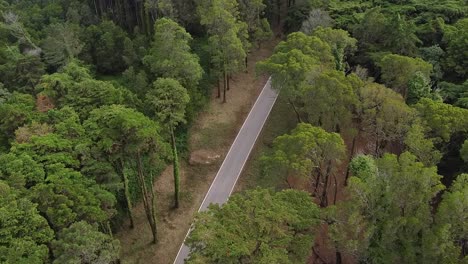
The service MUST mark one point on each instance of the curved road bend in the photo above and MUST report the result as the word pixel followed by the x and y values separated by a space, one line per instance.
pixel 226 178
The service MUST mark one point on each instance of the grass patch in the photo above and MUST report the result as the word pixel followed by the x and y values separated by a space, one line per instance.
pixel 213 136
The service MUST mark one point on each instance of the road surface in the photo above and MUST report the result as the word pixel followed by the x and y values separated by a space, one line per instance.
pixel 226 178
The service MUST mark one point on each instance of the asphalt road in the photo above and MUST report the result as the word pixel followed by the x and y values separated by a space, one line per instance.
pixel 226 178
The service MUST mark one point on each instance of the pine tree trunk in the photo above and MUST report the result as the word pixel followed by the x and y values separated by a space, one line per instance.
pixel 148 199
pixel 127 194
pixel 224 88
pixel 298 116
pixel 350 158
pixel 338 257
pixel 228 82
pixel 324 200
pixel 219 88
pixel 176 170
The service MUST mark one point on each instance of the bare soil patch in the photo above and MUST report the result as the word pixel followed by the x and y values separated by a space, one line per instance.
pixel 212 133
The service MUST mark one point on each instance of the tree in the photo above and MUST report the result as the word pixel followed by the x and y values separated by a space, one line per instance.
pixel 329 99
pixel 452 216
pixel 170 54
pixel 464 151
pixel 73 86
pixel 25 233
pixel 422 147
pixel 293 61
pixel 382 115
pixel 308 152
pixel 251 12
pixel 169 100
pixel 104 46
pixel 398 71
pixel 418 87
pixel 130 141
pixel 442 120
pixel 227 37
pixel 391 200
pixel 340 42
pixel 256 227
pixel 83 243
pixel 400 36
pixel 16 111
pixel 61 44
pixel 456 60
pixel 317 18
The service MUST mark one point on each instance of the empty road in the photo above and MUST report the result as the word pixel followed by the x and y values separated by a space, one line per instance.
pixel 226 178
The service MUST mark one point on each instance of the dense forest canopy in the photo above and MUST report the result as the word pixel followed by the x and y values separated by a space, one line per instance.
pixel 96 98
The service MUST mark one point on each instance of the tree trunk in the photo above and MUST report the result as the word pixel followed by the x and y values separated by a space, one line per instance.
pixel 298 116
pixel 219 89
pixel 336 189
pixel 224 87
pixel 317 181
pixel 246 64
pixel 350 158
pixel 176 170
pixel 338 257
pixel 127 194
pixel 324 200
pixel 228 82
pixel 148 199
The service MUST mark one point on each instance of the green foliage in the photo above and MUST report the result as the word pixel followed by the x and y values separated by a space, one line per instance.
pixel 73 86
pixel 258 226
pixel 456 94
pixel 83 243
pixel 16 111
pixel 61 44
pixel 398 71
pixel 25 233
pixel 464 151
pixel 293 60
pixel 227 34
pixel 250 12
pixel 170 54
pixel 391 205
pixel 418 87
pixel 304 153
pixel 382 115
pixel 341 44
pixel 329 99
pixel 104 47
pixel 442 120
pixel 422 147
pixel 168 99
pixel 456 38
pixel 452 217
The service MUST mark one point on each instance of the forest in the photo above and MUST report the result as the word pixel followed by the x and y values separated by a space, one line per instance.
pixel 98 98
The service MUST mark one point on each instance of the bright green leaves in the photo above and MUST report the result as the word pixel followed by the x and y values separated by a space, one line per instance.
pixel 168 100
pixel 308 153
pixel 443 120
pixel 24 232
pixel 258 227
